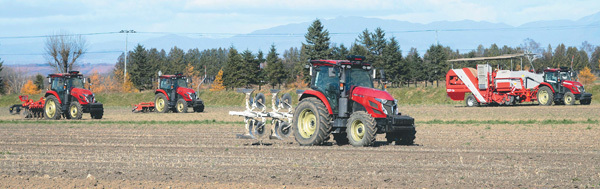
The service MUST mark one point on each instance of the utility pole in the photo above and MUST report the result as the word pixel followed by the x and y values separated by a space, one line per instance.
pixel 126 53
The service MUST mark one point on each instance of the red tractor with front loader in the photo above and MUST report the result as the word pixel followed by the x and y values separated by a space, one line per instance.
pixel 343 102
pixel 68 98
pixel 173 94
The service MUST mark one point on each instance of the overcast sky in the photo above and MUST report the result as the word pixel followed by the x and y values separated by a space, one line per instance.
pixel 43 17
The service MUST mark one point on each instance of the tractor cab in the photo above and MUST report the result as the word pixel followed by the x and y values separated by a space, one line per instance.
pixel 68 96
pixel 343 102
pixel 565 89
pixel 173 94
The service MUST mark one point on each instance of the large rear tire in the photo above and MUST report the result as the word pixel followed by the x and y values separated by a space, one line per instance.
pixel 181 106
pixel 311 122
pixel 74 111
pixel 545 96
pixel 361 129
pixel 52 109
pixel 470 101
pixel 569 99
pixel 160 103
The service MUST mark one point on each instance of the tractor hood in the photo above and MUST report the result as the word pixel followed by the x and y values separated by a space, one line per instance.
pixel 572 83
pixel 370 92
pixel 84 96
pixel 574 86
pixel 182 90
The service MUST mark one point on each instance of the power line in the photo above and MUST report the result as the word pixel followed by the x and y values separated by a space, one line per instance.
pixel 92 52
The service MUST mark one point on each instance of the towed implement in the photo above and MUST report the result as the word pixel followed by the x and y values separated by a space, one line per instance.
pixel 31 109
pixel 256 115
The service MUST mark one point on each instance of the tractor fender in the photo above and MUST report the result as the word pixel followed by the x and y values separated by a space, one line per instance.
pixel 547 85
pixel 48 93
pixel 319 95
pixel 163 92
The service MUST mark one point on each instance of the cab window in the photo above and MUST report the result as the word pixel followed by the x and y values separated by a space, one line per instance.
pixel 165 83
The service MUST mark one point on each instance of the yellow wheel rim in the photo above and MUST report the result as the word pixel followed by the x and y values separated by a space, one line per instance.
pixel 50 108
pixel 160 104
pixel 73 110
pixel 307 123
pixel 180 107
pixel 357 130
pixel 568 99
pixel 543 97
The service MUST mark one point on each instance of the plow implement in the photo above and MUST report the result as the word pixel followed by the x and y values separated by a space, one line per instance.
pixel 256 115
pixel 143 107
pixel 31 109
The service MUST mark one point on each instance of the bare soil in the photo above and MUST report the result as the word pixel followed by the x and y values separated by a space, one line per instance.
pixel 92 154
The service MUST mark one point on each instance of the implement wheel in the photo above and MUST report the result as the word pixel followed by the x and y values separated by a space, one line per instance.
pixel 161 103
pixel 471 101
pixel 361 129
pixel 311 122
pixel 545 96
pixel 52 108
pixel 75 111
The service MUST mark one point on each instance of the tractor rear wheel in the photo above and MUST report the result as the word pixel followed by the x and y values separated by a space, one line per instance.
pixel 52 109
pixel 75 111
pixel 361 129
pixel 341 138
pixel 545 96
pixel 569 99
pixel 311 122
pixel 161 103
pixel 471 101
pixel 181 106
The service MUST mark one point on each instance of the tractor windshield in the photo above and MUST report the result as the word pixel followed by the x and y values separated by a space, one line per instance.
pixel 359 77
pixel 76 82
pixel 181 82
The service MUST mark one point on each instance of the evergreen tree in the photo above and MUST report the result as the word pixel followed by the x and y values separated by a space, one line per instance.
pixel 176 61
pixel 251 66
pixel 140 71
pixel 275 72
pixel 435 57
pixel 595 60
pixel 39 81
pixel 2 82
pixel 317 41
pixel 234 70
pixel 559 58
pixel 393 64
pixel 415 64
pixel 339 53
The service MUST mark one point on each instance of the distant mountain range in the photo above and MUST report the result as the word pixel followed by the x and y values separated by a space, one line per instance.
pixel 462 35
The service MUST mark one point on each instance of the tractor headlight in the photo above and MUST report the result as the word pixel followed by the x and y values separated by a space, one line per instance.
pixel 384 106
pixel 85 97
pixel 581 89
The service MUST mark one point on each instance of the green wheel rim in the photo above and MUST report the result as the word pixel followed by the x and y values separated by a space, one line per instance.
pixel 180 107
pixel 358 130
pixel 543 97
pixel 73 111
pixel 307 123
pixel 160 104
pixel 50 108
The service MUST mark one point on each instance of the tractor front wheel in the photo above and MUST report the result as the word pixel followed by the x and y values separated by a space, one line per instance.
pixel 52 109
pixel 75 111
pixel 545 96
pixel 181 106
pixel 361 129
pixel 569 99
pixel 311 122
pixel 161 103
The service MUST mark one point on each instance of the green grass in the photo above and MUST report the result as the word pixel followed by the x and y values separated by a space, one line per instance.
pixel 514 122
pixel 122 122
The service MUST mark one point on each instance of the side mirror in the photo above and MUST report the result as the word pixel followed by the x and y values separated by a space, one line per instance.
pixel 85 80
pixel 49 80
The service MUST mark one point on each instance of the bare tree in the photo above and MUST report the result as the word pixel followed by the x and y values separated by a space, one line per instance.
pixel 63 49
pixel 15 79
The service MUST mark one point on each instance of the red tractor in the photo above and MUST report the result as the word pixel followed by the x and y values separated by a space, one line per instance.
pixel 343 102
pixel 67 97
pixel 560 88
pixel 173 94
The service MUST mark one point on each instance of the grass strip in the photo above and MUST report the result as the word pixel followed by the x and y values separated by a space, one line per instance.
pixel 145 122
pixel 513 122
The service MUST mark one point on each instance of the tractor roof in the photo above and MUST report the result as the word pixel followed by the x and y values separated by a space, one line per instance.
pixel 70 74
pixel 351 60
pixel 177 75
pixel 562 69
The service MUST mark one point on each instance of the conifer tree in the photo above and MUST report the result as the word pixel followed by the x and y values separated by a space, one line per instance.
pixel 317 41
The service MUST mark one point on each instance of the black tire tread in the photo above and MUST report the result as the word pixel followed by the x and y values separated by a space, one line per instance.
pixel 324 128
pixel 370 128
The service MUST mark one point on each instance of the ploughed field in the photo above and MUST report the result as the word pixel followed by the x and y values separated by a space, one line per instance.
pixel 518 146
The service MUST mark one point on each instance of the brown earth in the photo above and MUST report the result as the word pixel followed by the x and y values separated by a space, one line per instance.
pixel 93 154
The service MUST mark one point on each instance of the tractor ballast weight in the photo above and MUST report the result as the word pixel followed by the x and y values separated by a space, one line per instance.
pixel 67 97
pixel 174 95
pixel 343 101
pixel 256 115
